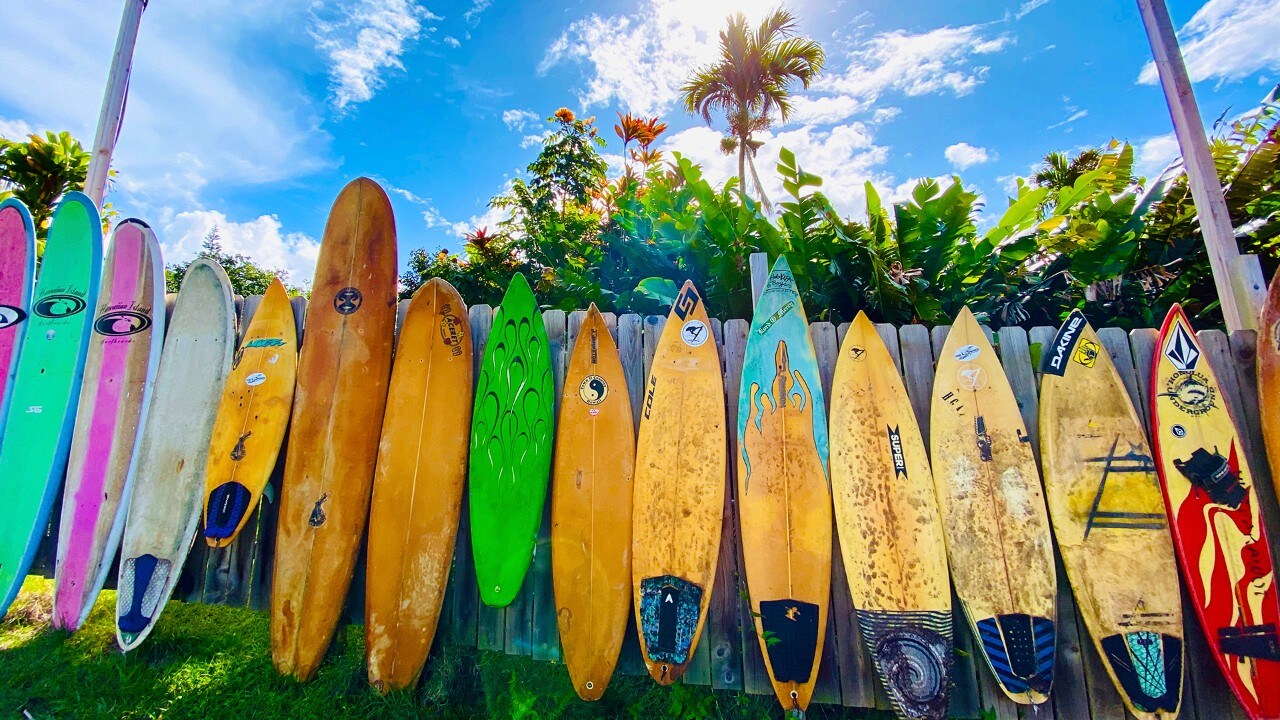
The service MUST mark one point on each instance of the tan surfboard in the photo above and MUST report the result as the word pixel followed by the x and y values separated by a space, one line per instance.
pixel 343 372
pixel 890 527
pixel 1268 369
pixel 679 489
pixel 417 486
pixel 1109 519
pixel 591 509
pixel 252 418
pixel 993 514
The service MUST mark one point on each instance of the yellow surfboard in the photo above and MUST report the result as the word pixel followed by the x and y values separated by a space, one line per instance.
pixel 679 489
pixel 993 512
pixel 1109 519
pixel 252 418
pixel 417 485
pixel 591 509
pixel 889 526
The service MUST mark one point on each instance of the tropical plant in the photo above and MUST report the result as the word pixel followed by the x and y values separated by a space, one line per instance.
pixel 751 81
pixel 39 170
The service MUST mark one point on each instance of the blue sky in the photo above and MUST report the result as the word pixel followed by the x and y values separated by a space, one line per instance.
pixel 253 115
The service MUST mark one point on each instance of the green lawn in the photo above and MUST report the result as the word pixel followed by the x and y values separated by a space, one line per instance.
pixel 207 661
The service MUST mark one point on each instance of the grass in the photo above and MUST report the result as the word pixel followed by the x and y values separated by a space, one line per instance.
pixel 209 661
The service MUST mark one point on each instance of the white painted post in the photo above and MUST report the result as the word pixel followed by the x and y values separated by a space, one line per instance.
pixel 1240 303
pixel 112 115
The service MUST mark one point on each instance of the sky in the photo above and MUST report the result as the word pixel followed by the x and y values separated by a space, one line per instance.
pixel 251 116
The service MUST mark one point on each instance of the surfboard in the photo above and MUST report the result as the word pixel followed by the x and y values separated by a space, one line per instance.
pixel 1268 373
pixel 1215 517
pixel 784 496
pixel 417 486
pixel 123 357
pixel 679 489
pixel 164 509
pixel 511 443
pixel 993 514
pixel 1109 520
pixel 591 509
pixel 890 527
pixel 343 371
pixel 17 273
pixel 46 387
pixel 253 414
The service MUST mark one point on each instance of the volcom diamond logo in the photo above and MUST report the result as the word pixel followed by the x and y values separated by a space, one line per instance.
pixel 1181 349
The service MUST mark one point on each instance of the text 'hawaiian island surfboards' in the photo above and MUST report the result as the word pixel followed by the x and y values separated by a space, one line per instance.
pixel 890 527
pixel 591 494
pixel 164 508
pixel 343 371
pixel 123 357
pixel 46 387
pixel 17 273
pixel 993 513
pixel 1109 520
pixel 417 485
pixel 511 443
pixel 679 489
pixel 784 498
pixel 253 414
pixel 1215 517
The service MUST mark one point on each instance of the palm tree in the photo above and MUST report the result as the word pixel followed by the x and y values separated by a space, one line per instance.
pixel 751 81
pixel 1059 171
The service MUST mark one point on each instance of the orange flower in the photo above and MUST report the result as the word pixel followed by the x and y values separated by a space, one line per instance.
pixel 565 115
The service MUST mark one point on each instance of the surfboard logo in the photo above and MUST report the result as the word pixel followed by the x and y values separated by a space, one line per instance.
pixel 10 316
pixel 238 452
pixel 451 333
pixel 774 318
pixel 1087 353
pixel 968 352
pixel 895 448
pixel 1063 344
pixel 694 333
pixel 593 390
pixel 59 305
pixel 347 300
pixel 255 379
pixel 1190 392
pixel 264 343
pixel 1181 349
pixel 686 303
pixel 857 353
pixel 971 377
pixel 120 323
pixel 983 438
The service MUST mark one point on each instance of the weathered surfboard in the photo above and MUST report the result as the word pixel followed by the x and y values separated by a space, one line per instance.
pixel 1268 371
pixel 123 357
pixel 164 509
pixel 993 514
pixel 253 414
pixel 17 273
pixel 417 486
pixel 784 496
pixel 679 489
pixel 511 443
pixel 343 371
pixel 46 387
pixel 591 509
pixel 1215 517
pixel 890 527
pixel 1109 520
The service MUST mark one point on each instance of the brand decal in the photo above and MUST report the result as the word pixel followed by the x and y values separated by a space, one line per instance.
pixel 451 333
pixel 648 398
pixel 59 305
pixel 317 513
pixel 780 282
pixel 984 438
pixel 10 316
pixel 595 347
pixel 347 300
pixel 118 323
pixel 694 333
pixel 255 379
pixel 686 303
pixel 1063 343
pixel 971 377
pixel 953 401
pixel 895 447
pixel 264 343
pixel 774 318
pixel 968 352
pixel 1190 392
pixel 593 390
pixel 238 452
pixel 1181 350
pixel 1178 431
pixel 1087 353
pixel 857 353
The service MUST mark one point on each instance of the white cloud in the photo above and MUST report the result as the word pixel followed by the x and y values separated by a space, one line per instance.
pixel 1028 7
pixel 363 39
pixel 517 120
pixel 963 156
pixel 1227 40
pixel 529 141
pixel 451 41
pixel 473 14
pixel 15 129
pixel 262 239
pixel 490 219
pixel 1074 116
pixel 1155 154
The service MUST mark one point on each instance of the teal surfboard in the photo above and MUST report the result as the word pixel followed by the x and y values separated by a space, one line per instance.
pixel 46 387
pixel 511 440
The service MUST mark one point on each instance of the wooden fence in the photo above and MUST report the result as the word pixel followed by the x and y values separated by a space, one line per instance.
pixel 728 656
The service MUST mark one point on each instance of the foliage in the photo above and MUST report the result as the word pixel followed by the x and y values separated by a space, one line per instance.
pixel 39 171
pixel 246 276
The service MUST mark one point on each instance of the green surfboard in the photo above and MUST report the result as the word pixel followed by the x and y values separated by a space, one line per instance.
pixel 46 389
pixel 511 440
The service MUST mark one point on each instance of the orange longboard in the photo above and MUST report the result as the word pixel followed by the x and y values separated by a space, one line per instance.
pixel 343 372
pixel 1268 368
pixel 679 489
pixel 591 509
pixel 417 487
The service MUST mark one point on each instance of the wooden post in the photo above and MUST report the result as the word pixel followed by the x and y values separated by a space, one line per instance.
pixel 112 115
pixel 1234 279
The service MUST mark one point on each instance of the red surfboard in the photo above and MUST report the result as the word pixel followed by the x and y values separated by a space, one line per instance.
pixel 1215 518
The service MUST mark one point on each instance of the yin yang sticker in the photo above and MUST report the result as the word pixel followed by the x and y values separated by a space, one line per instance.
pixel 593 390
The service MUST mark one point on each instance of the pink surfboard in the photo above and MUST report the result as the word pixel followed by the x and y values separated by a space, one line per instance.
pixel 124 353
pixel 17 273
